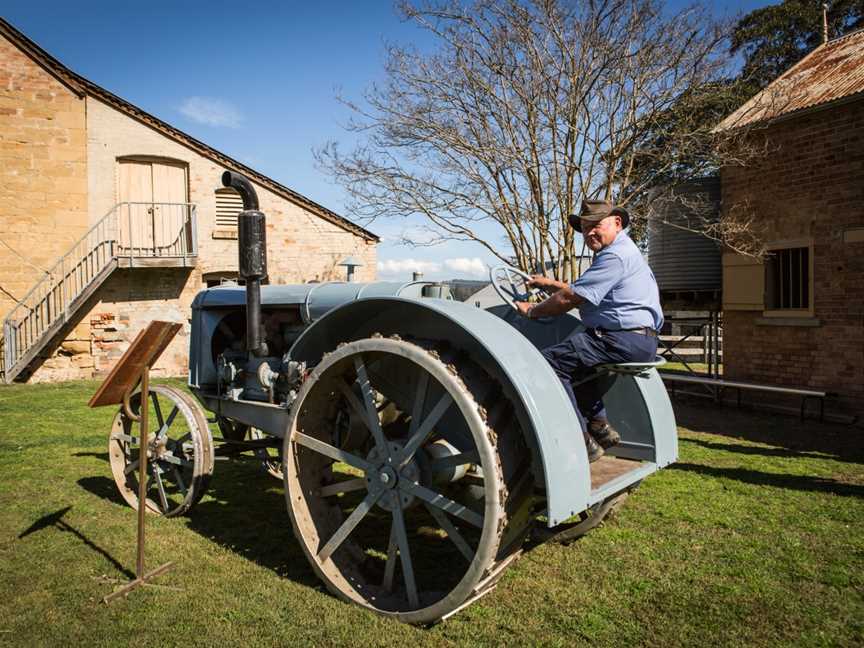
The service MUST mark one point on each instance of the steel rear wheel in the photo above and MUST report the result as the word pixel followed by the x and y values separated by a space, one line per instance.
pixel 180 452
pixel 419 515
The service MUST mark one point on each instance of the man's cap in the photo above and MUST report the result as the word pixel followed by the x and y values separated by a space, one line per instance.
pixel 596 210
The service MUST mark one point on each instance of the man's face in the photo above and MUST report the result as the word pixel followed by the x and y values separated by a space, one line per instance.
pixel 599 234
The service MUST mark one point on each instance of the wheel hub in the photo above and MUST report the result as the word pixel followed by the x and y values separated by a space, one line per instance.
pixel 386 476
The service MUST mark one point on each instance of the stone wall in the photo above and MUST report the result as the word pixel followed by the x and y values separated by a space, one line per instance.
pixel 809 188
pixel 43 172
pixel 301 247
pixel 128 301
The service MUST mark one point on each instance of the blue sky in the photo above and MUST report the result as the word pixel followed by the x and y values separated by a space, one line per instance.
pixel 256 80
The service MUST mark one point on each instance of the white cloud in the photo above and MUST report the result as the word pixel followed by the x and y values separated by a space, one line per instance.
pixel 473 266
pixel 452 268
pixel 407 266
pixel 211 112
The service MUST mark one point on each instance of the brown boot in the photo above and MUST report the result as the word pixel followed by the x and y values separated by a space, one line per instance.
pixel 594 450
pixel 603 433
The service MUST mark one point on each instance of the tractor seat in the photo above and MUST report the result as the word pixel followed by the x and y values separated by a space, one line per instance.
pixel 631 368
pixel 624 368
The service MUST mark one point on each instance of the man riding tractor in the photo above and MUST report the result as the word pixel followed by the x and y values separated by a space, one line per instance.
pixel 619 304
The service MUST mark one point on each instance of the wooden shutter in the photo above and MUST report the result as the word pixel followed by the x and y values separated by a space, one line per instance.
pixel 228 205
pixel 743 283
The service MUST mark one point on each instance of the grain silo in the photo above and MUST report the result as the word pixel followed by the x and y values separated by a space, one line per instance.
pixel 688 269
pixel 686 263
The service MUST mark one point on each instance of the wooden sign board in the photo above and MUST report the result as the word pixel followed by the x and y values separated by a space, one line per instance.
pixel 142 353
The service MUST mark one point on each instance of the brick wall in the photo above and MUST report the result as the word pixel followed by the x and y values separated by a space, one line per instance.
pixel 810 186
pixel 43 172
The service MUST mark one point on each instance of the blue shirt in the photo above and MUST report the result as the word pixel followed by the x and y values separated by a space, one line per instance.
pixel 619 289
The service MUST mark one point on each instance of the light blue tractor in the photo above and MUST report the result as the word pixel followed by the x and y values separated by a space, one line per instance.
pixel 421 440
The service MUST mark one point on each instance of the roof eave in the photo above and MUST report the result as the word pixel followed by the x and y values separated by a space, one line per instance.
pixel 794 114
pixel 83 87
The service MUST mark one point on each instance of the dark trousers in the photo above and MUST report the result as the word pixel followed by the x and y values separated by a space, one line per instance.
pixel 575 358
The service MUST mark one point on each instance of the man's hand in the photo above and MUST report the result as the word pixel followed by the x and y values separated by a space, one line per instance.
pixel 545 284
pixel 523 308
pixel 539 281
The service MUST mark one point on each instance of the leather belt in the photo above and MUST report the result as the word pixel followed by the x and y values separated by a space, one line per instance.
pixel 644 330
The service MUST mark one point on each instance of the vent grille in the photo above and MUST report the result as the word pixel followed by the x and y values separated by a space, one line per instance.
pixel 228 205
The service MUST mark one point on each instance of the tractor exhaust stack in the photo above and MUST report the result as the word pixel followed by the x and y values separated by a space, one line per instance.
pixel 252 248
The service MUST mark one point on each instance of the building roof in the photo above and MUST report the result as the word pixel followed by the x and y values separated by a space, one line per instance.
pixel 832 73
pixel 84 87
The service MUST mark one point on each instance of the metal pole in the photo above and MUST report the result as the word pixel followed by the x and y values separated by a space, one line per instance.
pixel 142 469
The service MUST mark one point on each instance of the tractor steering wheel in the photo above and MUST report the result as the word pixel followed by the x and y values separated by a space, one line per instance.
pixel 512 286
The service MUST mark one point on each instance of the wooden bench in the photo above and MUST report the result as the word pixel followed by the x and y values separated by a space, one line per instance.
pixel 718 384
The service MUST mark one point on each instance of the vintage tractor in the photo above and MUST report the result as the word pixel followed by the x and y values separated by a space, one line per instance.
pixel 420 440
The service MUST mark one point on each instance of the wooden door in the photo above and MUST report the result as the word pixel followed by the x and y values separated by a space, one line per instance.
pixel 169 210
pixel 153 215
pixel 135 188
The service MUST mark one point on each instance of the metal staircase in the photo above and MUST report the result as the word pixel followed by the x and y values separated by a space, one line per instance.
pixel 131 235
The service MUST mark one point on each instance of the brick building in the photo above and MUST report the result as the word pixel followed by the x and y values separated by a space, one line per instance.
pixel 111 217
pixel 797 319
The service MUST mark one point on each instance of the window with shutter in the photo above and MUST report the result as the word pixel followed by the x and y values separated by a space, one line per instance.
pixel 228 206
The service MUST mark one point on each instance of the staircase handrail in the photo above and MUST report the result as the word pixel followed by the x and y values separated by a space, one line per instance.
pixel 49 274
pixel 114 211
pixel 51 296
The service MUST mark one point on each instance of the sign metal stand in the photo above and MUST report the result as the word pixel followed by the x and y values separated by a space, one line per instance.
pixel 117 389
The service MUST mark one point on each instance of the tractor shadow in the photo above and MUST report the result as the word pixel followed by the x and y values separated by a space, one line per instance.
pixel 244 511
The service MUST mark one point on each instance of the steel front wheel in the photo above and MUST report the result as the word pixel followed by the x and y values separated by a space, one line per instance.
pixel 420 514
pixel 179 452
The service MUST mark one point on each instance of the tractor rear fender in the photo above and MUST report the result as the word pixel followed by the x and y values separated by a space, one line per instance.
pixel 545 414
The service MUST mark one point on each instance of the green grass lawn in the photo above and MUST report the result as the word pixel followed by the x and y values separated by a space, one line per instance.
pixel 755 538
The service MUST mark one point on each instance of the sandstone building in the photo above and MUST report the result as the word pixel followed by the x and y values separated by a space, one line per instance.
pixel 797 319
pixel 111 217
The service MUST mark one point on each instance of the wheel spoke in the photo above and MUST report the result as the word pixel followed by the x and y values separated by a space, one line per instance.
pixel 179 442
pixel 158 409
pixel 346 486
pixel 390 567
pixel 171 416
pixel 180 482
pixel 452 532
pixel 453 461
pixel 441 502
pixel 404 551
pixel 419 402
pixel 119 436
pixel 348 525
pixel 425 429
pixel 163 498
pixel 330 451
pixel 374 422
pixel 132 465
pixel 173 459
pixel 353 401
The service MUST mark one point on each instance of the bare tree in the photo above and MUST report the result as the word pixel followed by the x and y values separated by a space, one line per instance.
pixel 526 108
